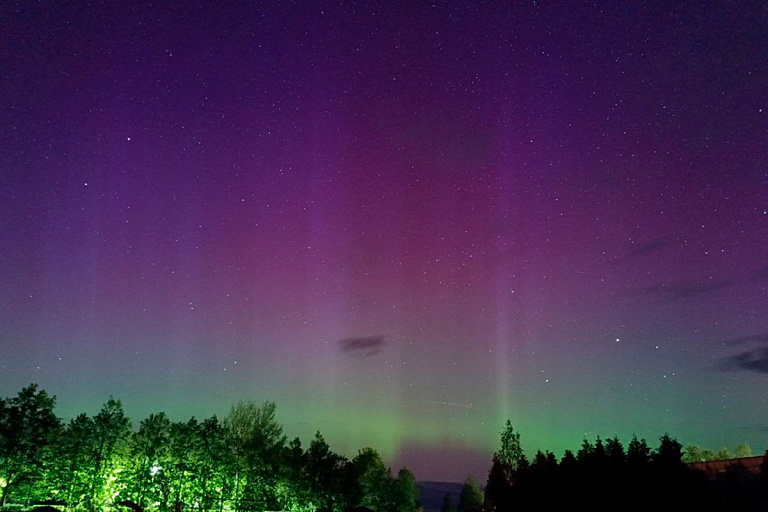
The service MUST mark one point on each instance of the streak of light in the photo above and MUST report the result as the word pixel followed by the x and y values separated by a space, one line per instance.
pixel 449 404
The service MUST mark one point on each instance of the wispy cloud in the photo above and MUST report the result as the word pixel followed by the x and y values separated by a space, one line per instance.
pixel 687 290
pixel 362 347
pixel 645 249
pixel 652 246
pixel 755 338
pixel 755 360
pixel 750 360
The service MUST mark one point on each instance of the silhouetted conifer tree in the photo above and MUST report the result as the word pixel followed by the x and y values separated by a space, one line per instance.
pixel 498 487
pixel 669 454
pixel 568 460
pixel 585 452
pixel 615 452
pixel 638 453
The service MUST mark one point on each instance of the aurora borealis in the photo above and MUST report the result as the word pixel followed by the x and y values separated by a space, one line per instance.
pixel 403 222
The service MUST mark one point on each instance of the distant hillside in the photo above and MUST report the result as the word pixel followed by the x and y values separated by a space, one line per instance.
pixel 431 494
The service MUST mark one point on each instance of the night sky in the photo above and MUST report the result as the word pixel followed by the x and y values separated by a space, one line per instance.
pixel 403 222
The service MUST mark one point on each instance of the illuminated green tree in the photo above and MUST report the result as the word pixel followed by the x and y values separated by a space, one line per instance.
pixel 722 454
pixel 256 441
pixel 374 480
pixel 471 497
pixel 71 474
pixel 242 463
pixel 111 432
pixel 510 454
pixel 508 465
pixel 325 474
pixel 693 453
pixel 743 450
pixel 405 493
pixel 212 461
pixel 149 456
pixel 184 461
pixel 28 429
pixel 295 486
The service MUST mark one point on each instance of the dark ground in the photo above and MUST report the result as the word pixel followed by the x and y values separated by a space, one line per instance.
pixel 431 494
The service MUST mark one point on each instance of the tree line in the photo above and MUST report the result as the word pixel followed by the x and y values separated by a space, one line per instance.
pixel 605 476
pixel 695 453
pixel 242 463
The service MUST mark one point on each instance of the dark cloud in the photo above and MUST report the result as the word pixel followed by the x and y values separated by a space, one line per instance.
pixel 362 347
pixel 645 249
pixel 657 288
pixel 651 247
pixel 762 274
pixel 755 338
pixel 755 360
pixel 686 290
pixel 751 360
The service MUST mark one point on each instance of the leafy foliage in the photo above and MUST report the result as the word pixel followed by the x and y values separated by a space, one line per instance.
pixel 242 463
pixel 28 430
pixel 471 497
pixel 694 453
pixel 510 454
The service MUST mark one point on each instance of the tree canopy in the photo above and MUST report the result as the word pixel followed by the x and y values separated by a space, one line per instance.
pixel 603 476
pixel 28 429
pixel 241 463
